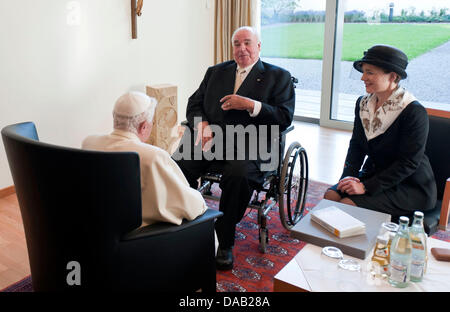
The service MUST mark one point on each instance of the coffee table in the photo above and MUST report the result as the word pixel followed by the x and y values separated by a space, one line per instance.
pixel 358 246
pixel 307 271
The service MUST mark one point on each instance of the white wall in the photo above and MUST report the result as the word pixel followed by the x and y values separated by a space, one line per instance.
pixel 66 78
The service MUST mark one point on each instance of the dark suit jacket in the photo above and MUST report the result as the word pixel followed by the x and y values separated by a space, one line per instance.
pixel 269 84
pixel 396 162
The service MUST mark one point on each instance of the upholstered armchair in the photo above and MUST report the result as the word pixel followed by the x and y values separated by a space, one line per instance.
pixel 438 151
pixel 81 213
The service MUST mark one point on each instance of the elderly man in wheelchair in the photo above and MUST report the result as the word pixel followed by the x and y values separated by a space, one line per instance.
pixel 237 119
pixel 283 180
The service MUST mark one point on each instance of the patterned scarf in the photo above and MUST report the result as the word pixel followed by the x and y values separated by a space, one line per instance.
pixel 377 122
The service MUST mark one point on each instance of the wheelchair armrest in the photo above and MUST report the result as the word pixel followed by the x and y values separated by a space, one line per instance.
pixel 162 228
pixel 286 131
pixel 445 208
pixel 185 123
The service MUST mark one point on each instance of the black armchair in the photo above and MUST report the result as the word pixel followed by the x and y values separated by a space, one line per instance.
pixel 438 151
pixel 85 206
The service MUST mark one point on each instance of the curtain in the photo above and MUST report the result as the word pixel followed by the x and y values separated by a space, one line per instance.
pixel 230 15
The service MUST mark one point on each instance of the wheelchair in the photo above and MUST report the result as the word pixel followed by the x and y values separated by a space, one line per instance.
pixel 286 187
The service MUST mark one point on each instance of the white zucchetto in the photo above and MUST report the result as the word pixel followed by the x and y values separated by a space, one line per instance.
pixel 132 104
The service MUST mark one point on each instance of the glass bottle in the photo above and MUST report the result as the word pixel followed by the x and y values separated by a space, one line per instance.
pixel 381 256
pixel 419 248
pixel 391 238
pixel 400 256
pixel 391 229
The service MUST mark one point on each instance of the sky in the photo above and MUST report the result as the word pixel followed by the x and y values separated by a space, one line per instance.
pixel 370 5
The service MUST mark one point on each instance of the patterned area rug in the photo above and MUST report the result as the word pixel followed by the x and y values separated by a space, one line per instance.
pixel 23 285
pixel 253 271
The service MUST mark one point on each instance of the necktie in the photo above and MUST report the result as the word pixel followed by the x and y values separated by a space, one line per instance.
pixel 239 78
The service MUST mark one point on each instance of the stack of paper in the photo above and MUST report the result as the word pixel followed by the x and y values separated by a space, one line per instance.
pixel 338 222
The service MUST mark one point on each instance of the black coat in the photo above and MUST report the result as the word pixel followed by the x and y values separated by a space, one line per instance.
pixel 396 163
pixel 269 84
pixel 266 83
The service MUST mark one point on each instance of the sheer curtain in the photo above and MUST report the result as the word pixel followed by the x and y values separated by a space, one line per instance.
pixel 231 14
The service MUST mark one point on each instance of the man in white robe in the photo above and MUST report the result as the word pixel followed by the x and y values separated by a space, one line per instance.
pixel 166 194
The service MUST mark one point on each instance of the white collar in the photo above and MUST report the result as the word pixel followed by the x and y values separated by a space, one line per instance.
pixel 248 68
pixel 377 122
pixel 126 134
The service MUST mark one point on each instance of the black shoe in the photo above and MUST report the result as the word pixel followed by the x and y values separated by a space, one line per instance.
pixel 224 259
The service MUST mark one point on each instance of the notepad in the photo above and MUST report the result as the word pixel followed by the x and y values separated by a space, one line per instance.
pixel 338 222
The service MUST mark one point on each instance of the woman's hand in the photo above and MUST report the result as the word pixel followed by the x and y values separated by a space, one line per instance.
pixel 351 186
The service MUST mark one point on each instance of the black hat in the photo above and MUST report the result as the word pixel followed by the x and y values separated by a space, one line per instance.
pixel 386 57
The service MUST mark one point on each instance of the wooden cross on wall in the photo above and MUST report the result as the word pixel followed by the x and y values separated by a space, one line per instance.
pixel 136 10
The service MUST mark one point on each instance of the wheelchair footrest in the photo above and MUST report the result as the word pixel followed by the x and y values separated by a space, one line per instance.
pixel 204 186
pixel 212 177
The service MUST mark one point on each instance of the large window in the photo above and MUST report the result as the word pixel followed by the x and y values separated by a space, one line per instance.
pixel 416 27
pixel 293 36
pixel 319 40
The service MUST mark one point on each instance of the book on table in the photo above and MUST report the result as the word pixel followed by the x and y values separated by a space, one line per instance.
pixel 358 246
pixel 338 222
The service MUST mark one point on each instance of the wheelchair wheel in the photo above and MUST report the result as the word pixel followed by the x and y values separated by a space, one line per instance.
pixel 293 185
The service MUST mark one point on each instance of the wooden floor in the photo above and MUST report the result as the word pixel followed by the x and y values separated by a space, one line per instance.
pixel 326 150
pixel 14 263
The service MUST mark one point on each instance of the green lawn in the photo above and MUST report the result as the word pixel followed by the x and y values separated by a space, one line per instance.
pixel 305 40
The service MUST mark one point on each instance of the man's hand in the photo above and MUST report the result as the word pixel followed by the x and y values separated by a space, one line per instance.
pixel 351 186
pixel 234 101
pixel 204 134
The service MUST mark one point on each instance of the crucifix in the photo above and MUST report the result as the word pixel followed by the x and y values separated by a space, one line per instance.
pixel 136 10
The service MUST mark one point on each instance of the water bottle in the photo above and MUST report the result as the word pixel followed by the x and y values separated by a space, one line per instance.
pixel 400 256
pixel 419 248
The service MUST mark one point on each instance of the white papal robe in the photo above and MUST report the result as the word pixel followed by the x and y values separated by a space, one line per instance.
pixel 166 194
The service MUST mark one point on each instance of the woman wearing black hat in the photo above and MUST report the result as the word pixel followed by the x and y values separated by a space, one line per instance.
pixel 391 129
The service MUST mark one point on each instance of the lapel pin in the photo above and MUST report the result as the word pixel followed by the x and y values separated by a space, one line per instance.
pixel 259 79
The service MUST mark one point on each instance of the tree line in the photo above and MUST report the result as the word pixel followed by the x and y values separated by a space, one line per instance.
pixel 285 11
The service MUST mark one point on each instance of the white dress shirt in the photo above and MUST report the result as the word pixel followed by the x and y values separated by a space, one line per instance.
pixel 241 74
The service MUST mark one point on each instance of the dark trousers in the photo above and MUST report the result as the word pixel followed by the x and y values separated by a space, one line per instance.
pixel 239 179
pixel 236 192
